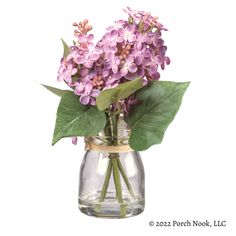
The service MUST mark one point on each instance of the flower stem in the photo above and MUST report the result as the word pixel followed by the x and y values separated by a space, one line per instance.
pixel 105 186
pixel 116 176
pixel 122 171
pixel 114 119
pixel 115 166
pixel 106 182
pixel 116 173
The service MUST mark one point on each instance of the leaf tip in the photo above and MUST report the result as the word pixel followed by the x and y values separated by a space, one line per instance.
pixel 187 83
pixel 66 48
pixel 63 41
pixel 53 142
pixel 55 138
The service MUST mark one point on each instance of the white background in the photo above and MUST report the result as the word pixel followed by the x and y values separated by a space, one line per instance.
pixel 191 175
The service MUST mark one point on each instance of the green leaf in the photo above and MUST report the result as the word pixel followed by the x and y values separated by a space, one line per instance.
pixel 120 92
pixel 75 119
pixel 66 48
pixel 58 92
pixel 159 103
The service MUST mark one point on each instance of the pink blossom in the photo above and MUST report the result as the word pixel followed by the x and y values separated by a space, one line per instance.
pixel 130 49
pixel 74 140
pixel 66 71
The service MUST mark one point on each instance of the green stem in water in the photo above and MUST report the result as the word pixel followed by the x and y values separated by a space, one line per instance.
pixel 116 176
pixel 111 130
pixel 116 172
pixel 114 119
pixel 106 182
pixel 105 186
pixel 122 171
pixel 108 130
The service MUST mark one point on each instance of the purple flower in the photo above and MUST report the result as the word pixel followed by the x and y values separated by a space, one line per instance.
pixel 162 50
pixel 109 42
pixel 118 25
pixel 136 15
pixel 112 63
pixel 128 66
pixel 84 72
pixel 88 58
pixel 66 71
pixel 127 34
pixel 145 17
pixel 152 64
pixel 155 75
pixel 140 73
pixel 165 61
pixel 86 38
pixel 129 49
pixel 113 80
pixel 114 37
pixel 87 93
pixel 74 53
pixel 74 140
pixel 140 53
pixel 157 41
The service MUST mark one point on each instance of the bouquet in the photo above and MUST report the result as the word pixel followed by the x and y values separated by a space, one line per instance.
pixel 117 77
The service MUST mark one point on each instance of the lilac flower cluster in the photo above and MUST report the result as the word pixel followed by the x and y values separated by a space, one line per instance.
pixel 130 49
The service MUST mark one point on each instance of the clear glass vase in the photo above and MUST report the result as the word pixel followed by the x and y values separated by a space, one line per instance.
pixel 111 178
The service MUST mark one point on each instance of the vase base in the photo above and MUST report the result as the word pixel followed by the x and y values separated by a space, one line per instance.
pixel 111 209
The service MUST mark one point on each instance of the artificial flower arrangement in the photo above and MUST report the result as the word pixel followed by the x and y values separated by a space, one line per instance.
pixel 115 92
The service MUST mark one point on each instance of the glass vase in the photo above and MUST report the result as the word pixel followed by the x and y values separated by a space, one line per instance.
pixel 111 177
